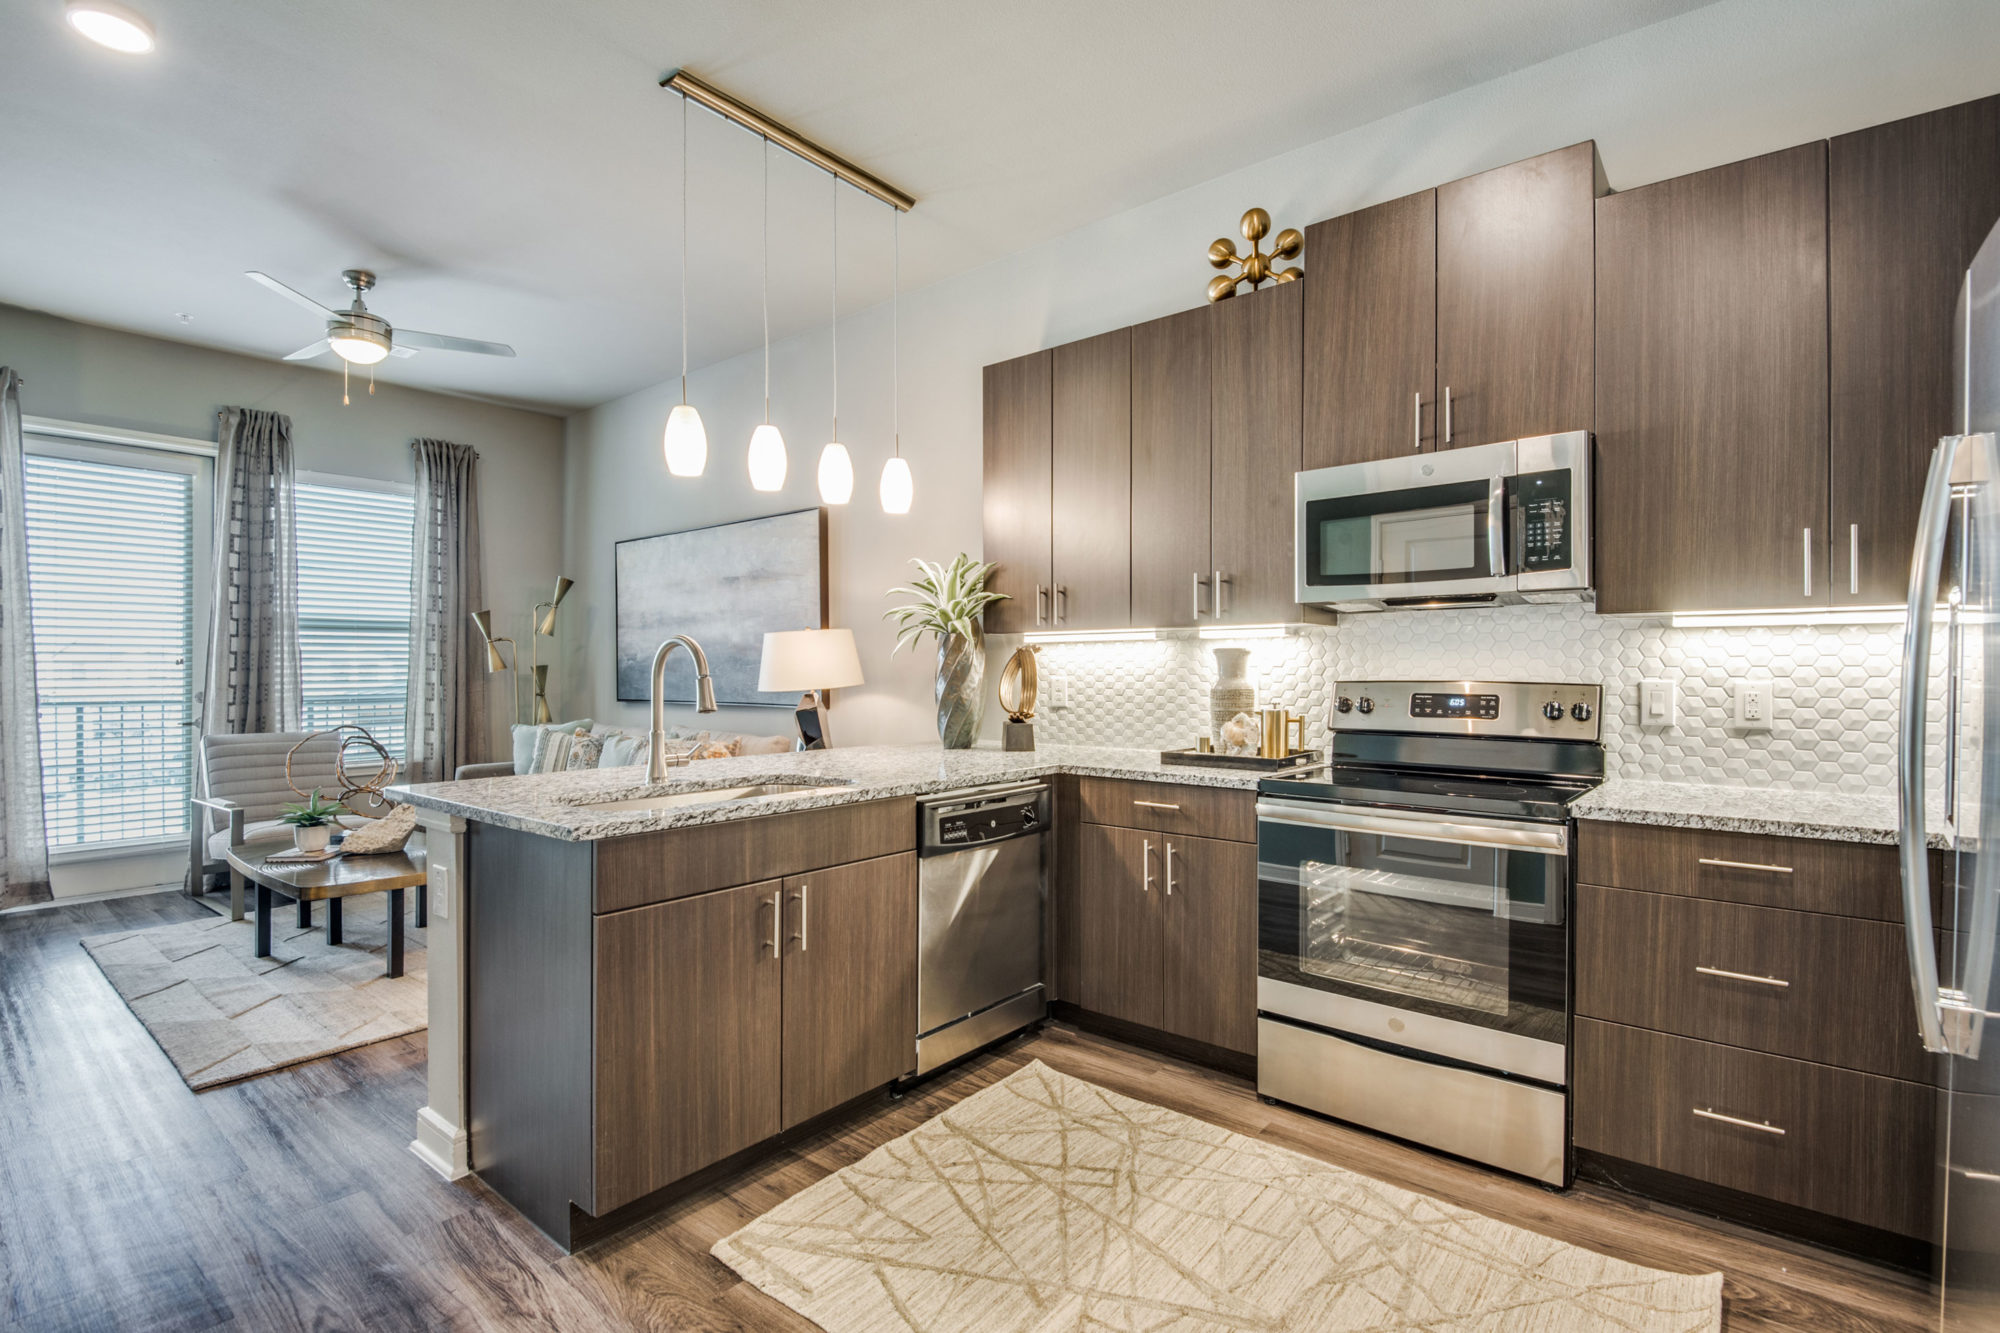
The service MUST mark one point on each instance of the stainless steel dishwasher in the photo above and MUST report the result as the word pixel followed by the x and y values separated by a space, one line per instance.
pixel 982 892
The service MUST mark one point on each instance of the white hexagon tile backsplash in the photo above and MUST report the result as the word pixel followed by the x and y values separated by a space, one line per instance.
pixel 1833 708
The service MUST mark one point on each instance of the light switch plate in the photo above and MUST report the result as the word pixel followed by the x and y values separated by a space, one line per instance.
pixel 1750 707
pixel 1659 704
pixel 1059 691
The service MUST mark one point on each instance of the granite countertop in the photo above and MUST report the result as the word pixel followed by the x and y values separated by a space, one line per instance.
pixel 1829 815
pixel 555 805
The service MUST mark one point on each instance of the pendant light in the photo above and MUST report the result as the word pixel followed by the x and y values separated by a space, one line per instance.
pixel 767 446
pixel 897 487
pixel 686 442
pixel 836 470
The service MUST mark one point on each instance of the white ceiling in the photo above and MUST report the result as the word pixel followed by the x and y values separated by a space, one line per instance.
pixel 510 168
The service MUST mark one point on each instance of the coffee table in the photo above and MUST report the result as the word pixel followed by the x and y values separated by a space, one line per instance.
pixel 342 877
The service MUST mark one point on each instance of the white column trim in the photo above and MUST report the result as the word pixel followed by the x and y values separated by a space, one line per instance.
pixel 442 1142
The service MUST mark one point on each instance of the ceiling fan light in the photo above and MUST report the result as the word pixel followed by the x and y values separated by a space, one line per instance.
pixel 686 442
pixel 111 25
pixel 767 459
pixel 897 487
pixel 357 347
pixel 836 474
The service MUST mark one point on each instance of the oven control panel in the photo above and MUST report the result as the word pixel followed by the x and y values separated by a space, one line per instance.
pixel 1530 710
pixel 1485 707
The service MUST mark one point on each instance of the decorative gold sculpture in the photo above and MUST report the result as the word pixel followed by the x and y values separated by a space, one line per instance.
pixel 352 735
pixel 1019 684
pixel 1257 267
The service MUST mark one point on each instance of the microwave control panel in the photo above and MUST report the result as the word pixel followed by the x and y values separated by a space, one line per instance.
pixel 1538 506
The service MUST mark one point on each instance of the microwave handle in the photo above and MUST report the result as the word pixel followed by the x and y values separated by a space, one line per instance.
pixel 1496 529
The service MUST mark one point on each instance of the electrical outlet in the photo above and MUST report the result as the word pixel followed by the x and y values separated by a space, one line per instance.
pixel 440 891
pixel 1751 710
pixel 1659 704
pixel 1059 691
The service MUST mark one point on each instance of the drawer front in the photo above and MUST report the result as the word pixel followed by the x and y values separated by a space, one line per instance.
pixel 1849 1145
pixel 1847 878
pixel 1166 807
pixel 1834 989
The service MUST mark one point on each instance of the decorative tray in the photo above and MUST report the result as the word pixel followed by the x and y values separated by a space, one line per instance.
pixel 1254 762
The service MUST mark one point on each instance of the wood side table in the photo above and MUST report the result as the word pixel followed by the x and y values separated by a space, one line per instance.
pixel 342 877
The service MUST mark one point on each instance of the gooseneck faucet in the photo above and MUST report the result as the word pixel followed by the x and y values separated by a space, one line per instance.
pixel 704 701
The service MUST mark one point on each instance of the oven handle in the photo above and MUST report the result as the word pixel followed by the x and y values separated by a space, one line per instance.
pixel 1546 839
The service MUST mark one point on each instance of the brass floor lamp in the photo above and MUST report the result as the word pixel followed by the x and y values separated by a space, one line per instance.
pixel 542 624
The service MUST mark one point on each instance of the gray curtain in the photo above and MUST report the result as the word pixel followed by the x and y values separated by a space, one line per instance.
pixel 446 713
pixel 24 850
pixel 253 641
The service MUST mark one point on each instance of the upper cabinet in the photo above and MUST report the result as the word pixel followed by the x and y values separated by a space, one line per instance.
pixel 1907 205
pixel 1020 479
pixel 1170 470
pixel 1093 482
pixel 1255 411
pixel 1370 366
pixel 1712 389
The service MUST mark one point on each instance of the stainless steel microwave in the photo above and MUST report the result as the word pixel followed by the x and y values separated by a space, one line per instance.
pixel 1481 526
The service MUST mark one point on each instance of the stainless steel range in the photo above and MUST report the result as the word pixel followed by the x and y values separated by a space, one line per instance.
pixel 1413 917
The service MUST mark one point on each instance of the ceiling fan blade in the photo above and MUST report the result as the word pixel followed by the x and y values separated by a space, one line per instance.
pixel 402 351
pixel 418 338
pixel 308 353
pixel 290 295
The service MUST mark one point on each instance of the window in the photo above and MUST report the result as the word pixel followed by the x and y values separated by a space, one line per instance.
pixel 354 607
pixel 111 570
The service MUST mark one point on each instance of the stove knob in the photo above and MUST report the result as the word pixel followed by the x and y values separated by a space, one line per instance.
pixel 1345 705
pixel 1366 705
pixel 1581 712
pixel 1553 711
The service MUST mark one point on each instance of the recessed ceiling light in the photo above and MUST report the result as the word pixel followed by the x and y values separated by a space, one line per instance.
pixel 110 24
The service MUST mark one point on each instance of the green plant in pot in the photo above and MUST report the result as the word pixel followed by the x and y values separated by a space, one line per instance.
pixel 312 823
pixel 951 602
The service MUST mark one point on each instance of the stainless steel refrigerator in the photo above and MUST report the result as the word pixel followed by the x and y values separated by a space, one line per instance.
pixel 1949 786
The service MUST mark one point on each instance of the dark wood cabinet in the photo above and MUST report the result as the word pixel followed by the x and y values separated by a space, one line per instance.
pixel 1514 298
pixel 1210 941
pixel 1370 333
pixel 1256 406
pixel 850 1010
pixel 1712 389
pixel 1092 467
pixel 1120 924
pixel 1908 204
pixel 1019 487
pixel 1170 470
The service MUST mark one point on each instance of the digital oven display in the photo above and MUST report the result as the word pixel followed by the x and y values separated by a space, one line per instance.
pixel 1484 707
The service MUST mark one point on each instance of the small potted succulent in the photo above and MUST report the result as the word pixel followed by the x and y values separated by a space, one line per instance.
pixel 312 823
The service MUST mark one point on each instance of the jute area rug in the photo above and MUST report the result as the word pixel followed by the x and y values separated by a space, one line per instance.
pixel 1046 1203
pixel 222 1014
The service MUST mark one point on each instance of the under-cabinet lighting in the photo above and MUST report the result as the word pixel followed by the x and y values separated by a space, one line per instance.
pixel 1243 631
pixel 1090 636
pixel 1788 617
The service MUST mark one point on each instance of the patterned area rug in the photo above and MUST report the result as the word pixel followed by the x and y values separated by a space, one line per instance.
pixel 222 1014
pixel 1046 1203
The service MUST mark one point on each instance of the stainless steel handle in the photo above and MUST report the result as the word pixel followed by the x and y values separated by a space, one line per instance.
pixel 1743 865
pixel 1447 414
pixel 804 908
pixel 1157 805
pixel 1220 584
pixel 1496 523
pixel 1854 559
pixel 1417 423
pixel 1062 603
pixel 1808 562
pixel 1041 604
pixel 777 924
pixel 1775 982
pixel 1170 870
pixel 1761 1126
pixel 1547 839
pixel 1913 837
pixel 1196 577
pixel 1146 868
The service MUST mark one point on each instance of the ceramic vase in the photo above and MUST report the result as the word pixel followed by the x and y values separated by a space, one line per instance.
pixel 1234 692
pixel 311 838
pixel 961 688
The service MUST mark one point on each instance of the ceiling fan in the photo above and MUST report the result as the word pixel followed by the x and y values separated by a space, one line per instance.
pixel 361 337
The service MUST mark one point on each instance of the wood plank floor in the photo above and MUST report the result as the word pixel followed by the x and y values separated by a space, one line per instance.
pixel 292 1201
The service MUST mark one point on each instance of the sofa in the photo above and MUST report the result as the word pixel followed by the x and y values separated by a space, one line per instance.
pixel 581 744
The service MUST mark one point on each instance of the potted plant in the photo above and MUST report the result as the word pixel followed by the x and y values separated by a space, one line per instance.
pixel 950 603
pixel 312 823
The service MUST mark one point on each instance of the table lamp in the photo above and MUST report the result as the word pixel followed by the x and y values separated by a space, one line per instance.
pixel 814 661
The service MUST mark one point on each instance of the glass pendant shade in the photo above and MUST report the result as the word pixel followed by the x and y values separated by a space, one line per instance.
pixel 767 458
pixel 686 442
pixel 897 488
pixel 836 474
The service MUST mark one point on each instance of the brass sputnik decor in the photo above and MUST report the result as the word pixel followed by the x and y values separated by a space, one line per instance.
pixel 1018 687
pixel 1257 267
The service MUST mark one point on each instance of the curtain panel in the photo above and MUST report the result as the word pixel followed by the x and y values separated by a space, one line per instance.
pixel 446 714
pixel 253 642
pixel 24 852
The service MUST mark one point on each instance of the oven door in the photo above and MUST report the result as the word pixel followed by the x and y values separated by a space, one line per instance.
pixel 1431 525
pixel 1436 934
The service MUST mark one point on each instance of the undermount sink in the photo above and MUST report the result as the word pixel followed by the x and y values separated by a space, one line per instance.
pixel 707 796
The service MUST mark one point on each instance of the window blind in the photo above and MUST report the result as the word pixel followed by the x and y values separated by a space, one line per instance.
pixel 110 569
pixel 354 608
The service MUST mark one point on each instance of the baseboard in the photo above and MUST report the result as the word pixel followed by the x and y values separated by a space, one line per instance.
pixel 1166 1043
pixel 442 1146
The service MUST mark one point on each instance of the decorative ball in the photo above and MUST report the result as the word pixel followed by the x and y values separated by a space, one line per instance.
pixel 1288 244
pixel 1221 288
pixel 1256 223
pixel 1222 254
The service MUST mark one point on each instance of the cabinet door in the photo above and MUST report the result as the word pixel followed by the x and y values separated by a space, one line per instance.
pixel 1371 332
pixel 1514 257
pixel 1170 469
pixel 1210 976
pixel 1093 482
pixel 687 1013
pixel 850 1021
pixel 1119 922
pixel 1711 389
pixel 1018 495
pixel 1907 205
pixel 1257 420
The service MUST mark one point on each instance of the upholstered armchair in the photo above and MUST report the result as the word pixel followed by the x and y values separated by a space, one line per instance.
pixel 243 792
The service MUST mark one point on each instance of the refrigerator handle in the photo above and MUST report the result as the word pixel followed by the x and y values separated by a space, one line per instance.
pixel 1962 1011
pixel 1925 565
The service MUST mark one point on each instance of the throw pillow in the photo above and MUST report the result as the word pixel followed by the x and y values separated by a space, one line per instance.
pixel 525 736
pixel 586 750
pixel 552 750
pixel 764 745
pixel 622 749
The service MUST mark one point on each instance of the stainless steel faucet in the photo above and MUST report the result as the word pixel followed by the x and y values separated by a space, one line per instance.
pixel 704 702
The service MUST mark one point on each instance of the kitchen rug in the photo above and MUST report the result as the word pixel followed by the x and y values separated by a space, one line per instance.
pixel 1045 1203
pixel 222 1014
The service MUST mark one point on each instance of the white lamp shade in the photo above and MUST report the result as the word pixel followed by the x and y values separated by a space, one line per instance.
pixel 767 458
pixel 836 474
pixel 111 25
pixel 808 659
pixel 359 351
pixel 686 442
pixel 897 488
